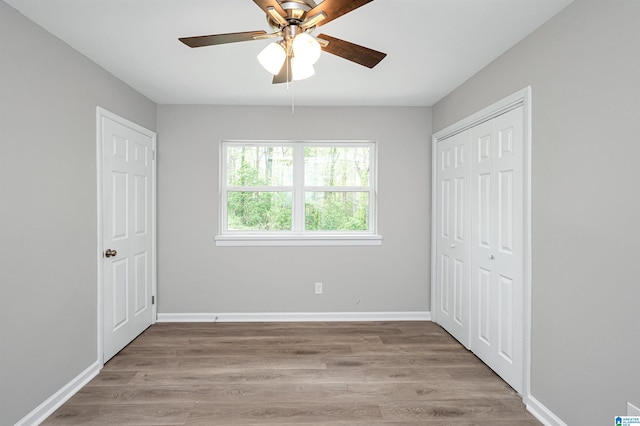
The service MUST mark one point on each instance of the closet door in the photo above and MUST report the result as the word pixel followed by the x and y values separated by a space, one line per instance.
pixel 497 245
pixel 452 229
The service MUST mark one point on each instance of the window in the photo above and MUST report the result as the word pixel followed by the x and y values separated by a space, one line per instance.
pixel 297 193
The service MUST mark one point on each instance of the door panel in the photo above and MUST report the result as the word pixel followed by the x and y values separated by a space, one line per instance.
pixel 484 309
pixel 141 207
pixel 127 228
pixel 120 276
pixel 484 210
pixel 445 282
pixel 505 211
pixel 459 308
pixel 505 316
pixel 446 209
pixel 497 246
pixel 119 189
pixel 142 283
pixel 460 205
pixel 452 267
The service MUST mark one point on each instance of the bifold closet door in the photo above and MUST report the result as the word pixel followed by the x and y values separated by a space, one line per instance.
pixel 453 235
pixel 497 244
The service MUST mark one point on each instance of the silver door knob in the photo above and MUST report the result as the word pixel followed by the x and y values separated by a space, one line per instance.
pixel 453 246
pixel 491 257
pixel 110 252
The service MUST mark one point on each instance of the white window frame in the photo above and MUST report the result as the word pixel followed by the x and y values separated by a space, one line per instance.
pixel 298 236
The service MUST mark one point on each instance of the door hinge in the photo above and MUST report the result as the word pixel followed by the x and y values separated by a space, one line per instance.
pixel 153 154
pixel 153 300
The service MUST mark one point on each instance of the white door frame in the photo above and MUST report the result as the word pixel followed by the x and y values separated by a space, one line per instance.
pixel 520 98
pixel 100 114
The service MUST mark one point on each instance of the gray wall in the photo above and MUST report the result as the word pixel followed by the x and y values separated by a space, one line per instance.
pixel 583 67
pixel 48 98
pixel 195 276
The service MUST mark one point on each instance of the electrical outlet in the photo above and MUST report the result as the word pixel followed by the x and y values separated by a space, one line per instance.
pixel 318 288
pixel 632 410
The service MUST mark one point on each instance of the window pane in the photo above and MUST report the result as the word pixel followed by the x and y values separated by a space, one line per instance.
pixel 259 165
pixel 336 211
pixel 264 211
pixel 336 166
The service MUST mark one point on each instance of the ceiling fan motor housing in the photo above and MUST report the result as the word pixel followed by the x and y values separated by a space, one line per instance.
pixel 296 11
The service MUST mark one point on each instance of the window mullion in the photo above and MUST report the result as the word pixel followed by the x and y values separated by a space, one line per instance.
pixel 298 188
pixel 223 188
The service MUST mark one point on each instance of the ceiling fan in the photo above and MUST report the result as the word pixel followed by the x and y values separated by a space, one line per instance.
pixel 292 57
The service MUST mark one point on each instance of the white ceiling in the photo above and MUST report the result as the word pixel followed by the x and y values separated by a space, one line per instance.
pixel 433 46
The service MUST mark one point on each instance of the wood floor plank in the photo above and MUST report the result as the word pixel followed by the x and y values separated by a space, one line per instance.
pixel 276 374
pixel 411 360
pixel 287 413
pixel 113 378
pixel 432 348
pixel 122 414
pixel 175 362
pixel 469 409
pixel 257 341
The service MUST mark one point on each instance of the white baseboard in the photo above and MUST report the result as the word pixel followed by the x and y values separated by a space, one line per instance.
pixel 44 410
pixel 542 413
pixel 296 317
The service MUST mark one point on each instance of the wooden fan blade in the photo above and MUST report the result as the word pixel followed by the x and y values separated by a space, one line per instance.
pixel 352 52
pixel 209 40
pixel 335 8
pixel 285 73
pixel 265 4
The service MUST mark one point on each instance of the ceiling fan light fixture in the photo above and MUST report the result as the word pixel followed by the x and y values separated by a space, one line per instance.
pixel 301 69
pixel 293 56
pixel 272 57
pixel 306 48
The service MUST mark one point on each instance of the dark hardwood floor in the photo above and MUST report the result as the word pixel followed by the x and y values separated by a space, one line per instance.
pixel 356 373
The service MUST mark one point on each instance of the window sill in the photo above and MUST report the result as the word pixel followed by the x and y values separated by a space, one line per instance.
pixel 297 240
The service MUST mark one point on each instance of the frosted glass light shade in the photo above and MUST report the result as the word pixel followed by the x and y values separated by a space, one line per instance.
pixel 306 48
pixel 272 58
pixel 301 69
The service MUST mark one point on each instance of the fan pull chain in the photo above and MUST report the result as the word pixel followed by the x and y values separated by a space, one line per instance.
pixel 286 63
pixel 293 97
pixel 293 88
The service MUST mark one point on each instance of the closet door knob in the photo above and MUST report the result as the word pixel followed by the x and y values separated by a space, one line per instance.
pixel 491 257
pixel 109 253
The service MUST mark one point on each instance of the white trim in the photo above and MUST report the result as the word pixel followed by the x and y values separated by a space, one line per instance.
pixel 520 98
pixel 513 101
pixel 632 410
pixel 542 413
pixel 293 240
pixel 527 275
pixel 51 404
pixel 434 215
pixel 296 317
pixel 100 114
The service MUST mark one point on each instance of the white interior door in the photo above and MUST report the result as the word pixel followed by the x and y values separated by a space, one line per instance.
pixel 497 254
pixel 128 185
pixel 453 235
